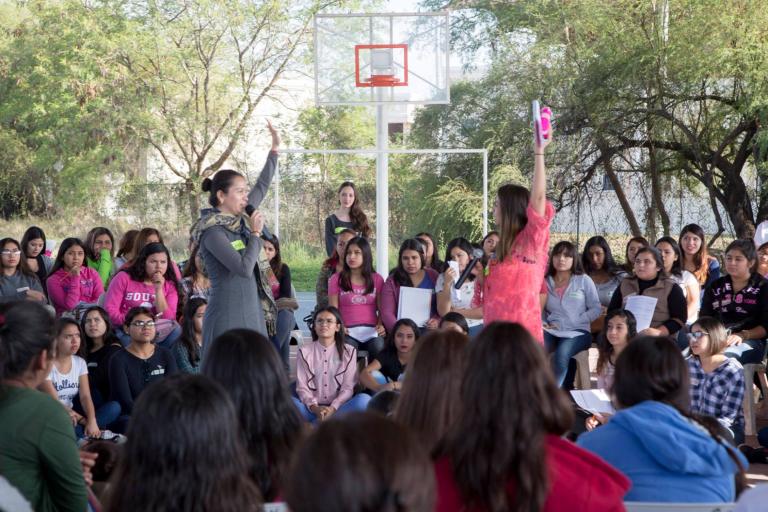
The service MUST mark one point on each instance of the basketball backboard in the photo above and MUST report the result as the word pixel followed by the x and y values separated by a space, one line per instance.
pixel 375 59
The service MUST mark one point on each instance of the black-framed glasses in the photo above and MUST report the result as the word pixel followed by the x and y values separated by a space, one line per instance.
pixel 696 335
pixel 142 324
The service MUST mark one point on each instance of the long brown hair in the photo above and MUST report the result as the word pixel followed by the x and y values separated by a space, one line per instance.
pixel 428 403
pixel 23 265
pixel 493 443
pixel 701 258
pixel 513 202
pixel 356 213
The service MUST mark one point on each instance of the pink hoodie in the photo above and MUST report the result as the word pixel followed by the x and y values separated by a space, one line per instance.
pixel 124 293
pixel 66 291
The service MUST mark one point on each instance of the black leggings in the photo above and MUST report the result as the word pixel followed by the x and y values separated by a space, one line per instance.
pixel 372 346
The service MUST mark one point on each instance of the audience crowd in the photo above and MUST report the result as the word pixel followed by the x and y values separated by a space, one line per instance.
pixel 108 400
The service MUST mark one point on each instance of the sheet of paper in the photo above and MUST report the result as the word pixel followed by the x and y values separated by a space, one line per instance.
pixel 415 303
pixel 642 307
pixel 595 401
pixel 362 332
pixel 455 294
pixel 564 334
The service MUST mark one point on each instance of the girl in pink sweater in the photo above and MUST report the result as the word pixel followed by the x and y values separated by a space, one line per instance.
pixel 149 282
pixel 71 284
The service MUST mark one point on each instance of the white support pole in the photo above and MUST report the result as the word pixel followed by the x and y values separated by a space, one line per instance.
pixel 382 192
pixel 485 193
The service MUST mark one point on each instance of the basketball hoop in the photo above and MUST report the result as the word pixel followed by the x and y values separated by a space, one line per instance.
pixel 380 68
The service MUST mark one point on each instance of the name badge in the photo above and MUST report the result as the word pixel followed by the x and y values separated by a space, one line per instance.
pixel 238 245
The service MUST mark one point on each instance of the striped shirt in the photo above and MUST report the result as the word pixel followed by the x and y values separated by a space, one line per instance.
pixel 719 393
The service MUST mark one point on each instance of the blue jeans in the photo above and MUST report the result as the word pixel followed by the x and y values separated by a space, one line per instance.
pixel 562 350
pixel 105 415
pixel 475 330
pixel 356 403
pixel 282 339
pixel 751 351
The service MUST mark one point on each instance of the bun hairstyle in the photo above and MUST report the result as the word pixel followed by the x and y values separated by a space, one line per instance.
pixel 221 181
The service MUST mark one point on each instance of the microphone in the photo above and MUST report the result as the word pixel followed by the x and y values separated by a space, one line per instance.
pixel 265 232
pixel 477 255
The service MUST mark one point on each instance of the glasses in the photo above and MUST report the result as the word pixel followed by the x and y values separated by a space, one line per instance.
pixel 10 252
pixel 321 321
pixel 696 335
pixel 142 324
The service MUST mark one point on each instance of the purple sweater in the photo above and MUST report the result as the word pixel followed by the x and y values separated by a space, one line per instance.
pixel 66 291
pixel 390 295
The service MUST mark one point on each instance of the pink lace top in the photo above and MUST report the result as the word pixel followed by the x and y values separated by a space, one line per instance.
pixel 511 292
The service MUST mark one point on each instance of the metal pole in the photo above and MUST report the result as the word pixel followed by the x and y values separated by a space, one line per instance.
pixel 382 192
pixel 485 193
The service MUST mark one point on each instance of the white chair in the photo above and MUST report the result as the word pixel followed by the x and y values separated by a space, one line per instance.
pixel 750 427
pixel 583 379
pixel 679 507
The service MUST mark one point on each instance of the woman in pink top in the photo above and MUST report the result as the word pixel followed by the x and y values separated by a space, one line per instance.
pixel 515 276
pixel 71 283
pixel 356 292
pixel 326 370
pixel 149 282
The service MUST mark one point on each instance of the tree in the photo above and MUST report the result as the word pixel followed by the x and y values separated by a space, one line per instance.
pixel 208 65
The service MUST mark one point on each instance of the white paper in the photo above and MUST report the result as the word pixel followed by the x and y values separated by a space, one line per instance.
pixel 415 303
pixel 642 307
pixel 455 294
pixel 595 401
pixel 564 334
pixel 362 332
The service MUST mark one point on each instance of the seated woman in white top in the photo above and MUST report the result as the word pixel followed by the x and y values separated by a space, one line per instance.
pixel 464 301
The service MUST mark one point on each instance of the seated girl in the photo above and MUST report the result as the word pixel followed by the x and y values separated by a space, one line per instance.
pixel 620 328
pixel 150 283
pixel 650 280
pixel 100 344
pixel 356 292
pixel 326 370
pixel 388 367
pixel 72 286
pixel 125 252
pixel 195 282
pixel 33 245
pixel 526 464
pixel 410 271
pixel 454 322
pixel 569 307
pixel 630 252
pixel 68 383
pixel 431 259
pixel 331 266
pixel 661 445
pixel 598 263
pixel 282 292
pixel 464 301
pixel 740 301
pixel 99 252
pixel 188 348
pixel 717 381
pixel 139 365
pixel 17 281
pixel 696 258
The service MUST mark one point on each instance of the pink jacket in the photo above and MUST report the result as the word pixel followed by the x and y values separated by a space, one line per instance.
pixel 322 378
pixel 124 293
pixel 390 295
pixel 66 291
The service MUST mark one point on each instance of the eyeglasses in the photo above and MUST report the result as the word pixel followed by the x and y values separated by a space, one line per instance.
pixel 141 323
pixel 696 335
pixel 10 252
pixel 321 321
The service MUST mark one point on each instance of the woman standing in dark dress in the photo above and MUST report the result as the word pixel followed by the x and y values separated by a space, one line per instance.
pixel 230 247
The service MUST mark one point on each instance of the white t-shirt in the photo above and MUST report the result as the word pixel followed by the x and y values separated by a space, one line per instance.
pixel 686 281
pixel 67 385
pixel 461 298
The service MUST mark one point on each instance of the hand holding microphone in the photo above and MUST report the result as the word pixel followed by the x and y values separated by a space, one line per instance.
pixel 257 219
pixel 477 255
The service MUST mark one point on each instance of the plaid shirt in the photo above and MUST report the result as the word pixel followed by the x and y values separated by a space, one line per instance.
pixel 720 393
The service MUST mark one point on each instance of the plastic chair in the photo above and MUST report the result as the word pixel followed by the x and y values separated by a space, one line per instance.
pixel 679 507
pixel 583 379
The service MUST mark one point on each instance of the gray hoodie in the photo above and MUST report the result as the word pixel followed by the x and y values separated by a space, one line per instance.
pixel 578 307
pixel 15 287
